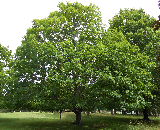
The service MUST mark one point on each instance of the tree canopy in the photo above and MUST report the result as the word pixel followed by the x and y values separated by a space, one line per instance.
pixel 138 28
pixel 135 25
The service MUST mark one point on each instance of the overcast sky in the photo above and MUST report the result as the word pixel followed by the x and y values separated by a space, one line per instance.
pixel 16 15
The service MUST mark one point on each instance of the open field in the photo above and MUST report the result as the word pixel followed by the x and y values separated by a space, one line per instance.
pixel 50 121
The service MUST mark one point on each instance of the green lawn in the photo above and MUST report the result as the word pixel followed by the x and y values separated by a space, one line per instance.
pixel 50 121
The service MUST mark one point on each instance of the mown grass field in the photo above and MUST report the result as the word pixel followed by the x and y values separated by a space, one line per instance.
pixel 50 121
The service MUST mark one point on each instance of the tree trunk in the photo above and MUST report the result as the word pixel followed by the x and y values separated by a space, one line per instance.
pixel 145 113
pixel 156 113
pixel 60 114
pixel 95 110
pixel 149 112
pixel 78 117
pixel 123 112
pixel 87 113
pixel 114 111
pixel 136 112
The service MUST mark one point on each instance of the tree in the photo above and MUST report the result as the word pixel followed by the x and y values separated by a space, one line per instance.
pixel 5 56
pixel 137 27
pixel 127 81
pixel 35 58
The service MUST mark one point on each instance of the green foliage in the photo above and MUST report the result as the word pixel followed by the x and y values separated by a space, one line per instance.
pixel 124 73
pixel 136 27
pixel 70 75
pixel 5 58
pixel 73 20
pixel 67 61
pixel 48 52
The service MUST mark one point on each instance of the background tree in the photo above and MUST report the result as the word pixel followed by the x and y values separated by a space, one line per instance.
pixel 127 80
pixel 5 56
pixel 136 26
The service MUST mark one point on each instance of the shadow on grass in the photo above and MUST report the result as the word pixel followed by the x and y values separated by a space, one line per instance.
pixel 93 122
pixel 33 124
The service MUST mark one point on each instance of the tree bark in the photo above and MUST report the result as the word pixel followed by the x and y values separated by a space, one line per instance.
pixel 94 111
pixel 87 113
pixel 123 112
pixel 149 112
pixel 156 113
pixel 114 111
pixel 145 113
pixel 136 112
pixel 60 114
pixel 78 117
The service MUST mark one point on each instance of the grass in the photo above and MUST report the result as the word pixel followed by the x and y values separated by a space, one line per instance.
pixel 50 121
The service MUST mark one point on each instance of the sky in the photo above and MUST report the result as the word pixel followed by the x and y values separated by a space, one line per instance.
pixel 16 16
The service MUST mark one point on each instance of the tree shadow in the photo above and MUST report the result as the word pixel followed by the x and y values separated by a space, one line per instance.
pixel 88 123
